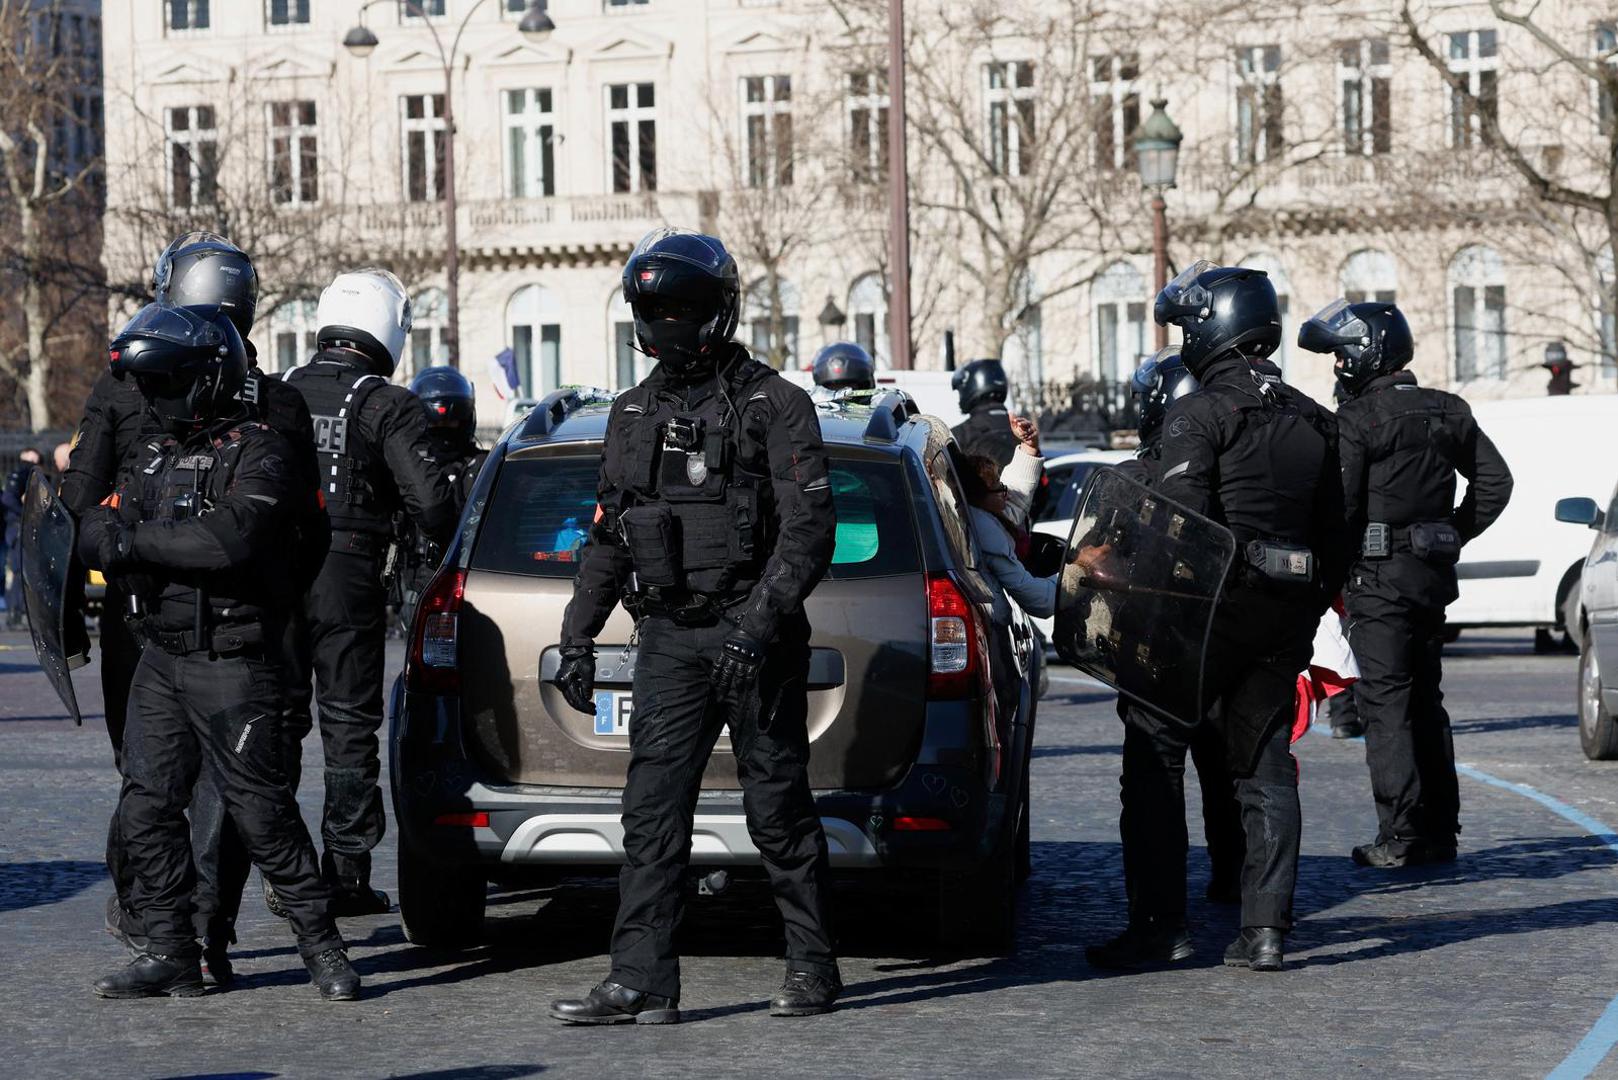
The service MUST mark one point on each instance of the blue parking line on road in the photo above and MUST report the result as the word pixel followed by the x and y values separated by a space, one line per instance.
pixel 1598 1043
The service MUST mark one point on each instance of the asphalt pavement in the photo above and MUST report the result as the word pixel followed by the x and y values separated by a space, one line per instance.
pixel 1499 965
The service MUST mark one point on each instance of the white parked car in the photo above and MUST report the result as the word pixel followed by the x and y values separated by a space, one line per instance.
pixel 1524 571
pixel 1594 620
pixel 1065 475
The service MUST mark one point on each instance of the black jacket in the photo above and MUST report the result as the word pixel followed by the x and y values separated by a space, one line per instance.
pixel 777 440
pixel 1260 457
pixel 1402 447
pixel 987 431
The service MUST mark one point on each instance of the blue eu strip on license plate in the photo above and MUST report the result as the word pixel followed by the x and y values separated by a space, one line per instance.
pixel 612 712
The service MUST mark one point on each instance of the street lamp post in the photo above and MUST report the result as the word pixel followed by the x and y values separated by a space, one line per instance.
pixel 1157 152
pixel 361 41
pixel 831 321
pixel 898 191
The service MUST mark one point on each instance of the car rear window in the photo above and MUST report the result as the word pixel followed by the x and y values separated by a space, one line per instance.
pixel 540 511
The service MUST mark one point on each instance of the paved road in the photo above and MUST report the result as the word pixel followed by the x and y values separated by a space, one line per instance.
pixel 1500 965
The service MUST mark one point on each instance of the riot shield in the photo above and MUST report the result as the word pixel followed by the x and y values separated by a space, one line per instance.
pixel 49 536
pixel 1141 580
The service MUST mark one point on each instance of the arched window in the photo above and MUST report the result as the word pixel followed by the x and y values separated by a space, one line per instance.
pixel 1023 352
pixel 630 365
pixel 1118 297
pixel 1369 275
pixel 779 350
pixel 1283 295
pixel 868 315
pixel 427 348
pixel 292 335
pixel 534 316
pixel 1477 285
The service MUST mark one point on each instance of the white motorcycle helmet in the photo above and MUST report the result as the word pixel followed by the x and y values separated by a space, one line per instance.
pixel 368 311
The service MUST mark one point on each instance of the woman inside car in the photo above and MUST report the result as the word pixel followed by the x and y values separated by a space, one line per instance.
pixel 1000 499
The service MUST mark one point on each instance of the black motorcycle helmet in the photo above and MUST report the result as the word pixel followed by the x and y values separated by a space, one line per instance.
pixel 685 292
pixel 448 397
pixel 203 268
pixel 1161 381
pixel 979 382
pixel 844 365
pixel 1220 309
pixel 189 363
pixel 1369 340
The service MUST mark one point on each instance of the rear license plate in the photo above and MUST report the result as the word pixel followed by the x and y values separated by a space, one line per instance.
pixel 612 712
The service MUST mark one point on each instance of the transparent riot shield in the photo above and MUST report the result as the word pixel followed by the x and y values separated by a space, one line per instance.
pixel 48 538
pixel 1141 580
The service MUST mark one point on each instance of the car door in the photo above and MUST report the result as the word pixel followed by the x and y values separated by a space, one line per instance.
pixel 1599 592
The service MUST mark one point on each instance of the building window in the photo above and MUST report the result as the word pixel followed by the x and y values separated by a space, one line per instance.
pixel 632 134
pixel 1283 296
pixel 1115 108
pixel 193 149
pixel 1009 92
pixel 1259 134
pixel 1477 281
pixel 421 9
pixel 519 8
pixel 424 147
pixel 1474 56
pixel 630 364
pixel 289 12
pixel 623 5
pixel 1119 301
pixel 530 145
pixel 294 153
pixel 867 107
pixel 868 314
pixel 1370 275
pixel 430 310
pixel 188 14
pixel 1364 79
pixel 779 350
pixel 535 317
pixel 1606 35
pixel 292 334
pixel 767 129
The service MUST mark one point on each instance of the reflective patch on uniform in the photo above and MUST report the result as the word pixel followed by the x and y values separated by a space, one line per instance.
pixel 272 500
pixel 1179 469
pixel 819 485
pixel 273 467
pixel 1179 427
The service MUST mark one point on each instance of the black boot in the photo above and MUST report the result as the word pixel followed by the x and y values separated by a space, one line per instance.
pixel 216 967
pixel 1142 946
pixel 333 975
pixel 350 880
pixel 613 1003
pixel 121 926
pixel 805 994
pixel 153 975
pixel 1350 728
pixel 1256 947
pixel 1389 854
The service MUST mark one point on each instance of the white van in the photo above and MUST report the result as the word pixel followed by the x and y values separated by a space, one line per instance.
pixel 1524 570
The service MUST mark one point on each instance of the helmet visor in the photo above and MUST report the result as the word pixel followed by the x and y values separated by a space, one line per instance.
pixel 1184 297
pixel 1147 376
pixel 1333 327
pixel 175 325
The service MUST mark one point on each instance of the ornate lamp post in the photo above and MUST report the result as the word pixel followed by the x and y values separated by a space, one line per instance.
pixel 1157 152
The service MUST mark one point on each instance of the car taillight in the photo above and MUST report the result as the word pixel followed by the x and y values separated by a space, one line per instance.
pixel 435 636
pixel 953 660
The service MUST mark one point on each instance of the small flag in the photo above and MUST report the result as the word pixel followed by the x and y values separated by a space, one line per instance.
pixel 503 373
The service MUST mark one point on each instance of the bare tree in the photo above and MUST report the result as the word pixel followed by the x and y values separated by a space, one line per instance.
pixel 50 167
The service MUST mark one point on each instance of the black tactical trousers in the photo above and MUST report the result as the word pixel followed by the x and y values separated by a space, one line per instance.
pixel 672 732
pixel 1408 746
pixel 185 710
pixel 339 636
pixel 1153 820
pixel 120 652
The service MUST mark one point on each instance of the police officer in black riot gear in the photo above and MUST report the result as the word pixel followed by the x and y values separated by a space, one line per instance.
pixel 1158 383
pixel 113 441
pixel 449 402
pixel 844 365
pixel 1260 458
pixel 1402 447
pixel 716 521
pixel 375 461
pixel 200 539
pixel 982 387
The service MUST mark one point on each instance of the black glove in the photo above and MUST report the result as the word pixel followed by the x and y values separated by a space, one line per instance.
pixel 116 546
pixel 740 657
pixel 576 678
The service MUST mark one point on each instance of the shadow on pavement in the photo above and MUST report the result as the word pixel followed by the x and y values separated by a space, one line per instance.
pixel 474 1072
pixel 32 884
pixel 1513 723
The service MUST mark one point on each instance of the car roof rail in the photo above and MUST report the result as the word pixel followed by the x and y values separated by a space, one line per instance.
pixel 890 410
pixel 552 409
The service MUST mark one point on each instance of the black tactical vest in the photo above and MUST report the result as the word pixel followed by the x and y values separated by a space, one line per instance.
pixel 693 513
pixel 353 474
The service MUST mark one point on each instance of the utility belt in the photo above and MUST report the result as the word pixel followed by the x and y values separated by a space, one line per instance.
pixel 219 641
pixel 1430 541
pixel 356 542
pixel 682 606
pixel 1276 565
